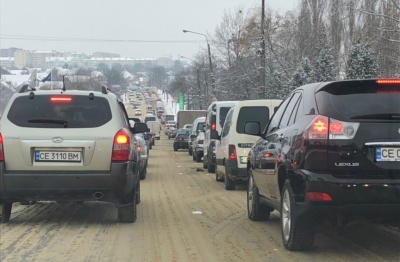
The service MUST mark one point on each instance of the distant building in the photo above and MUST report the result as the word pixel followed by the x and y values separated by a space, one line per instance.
pixel 7 62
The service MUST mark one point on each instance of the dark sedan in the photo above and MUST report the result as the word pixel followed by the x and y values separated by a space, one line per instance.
pixel 181 140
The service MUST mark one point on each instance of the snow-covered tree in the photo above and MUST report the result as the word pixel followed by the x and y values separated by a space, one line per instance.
pixel 303 74
pixel 324 67
pixel 361 63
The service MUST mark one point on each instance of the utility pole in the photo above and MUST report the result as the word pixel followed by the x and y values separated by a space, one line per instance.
pixel 262 55
pixel 199 88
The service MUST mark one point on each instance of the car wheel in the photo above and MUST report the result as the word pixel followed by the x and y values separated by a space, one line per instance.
pixel 175 149
pixel 190 151
pixel 6 212
pixel 150 146
pixel 138 193
pixel 204 162
pixel 194 155
pixel 255 210
pixel 229 183
pixel 198 158
pixel 127 212
pixel 297 234
pixel 142 174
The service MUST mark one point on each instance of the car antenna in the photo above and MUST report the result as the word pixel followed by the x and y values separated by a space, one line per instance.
pixel 63 84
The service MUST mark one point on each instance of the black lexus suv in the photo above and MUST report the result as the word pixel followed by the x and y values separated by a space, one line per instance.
pixel 331 150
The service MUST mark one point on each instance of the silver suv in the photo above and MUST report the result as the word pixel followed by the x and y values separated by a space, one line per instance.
pixel 69 145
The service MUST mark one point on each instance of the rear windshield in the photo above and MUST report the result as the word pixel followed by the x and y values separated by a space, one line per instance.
pixel 223 111
pixel 40 112
pixel 349 101
pixel 253 113
pixel 200 126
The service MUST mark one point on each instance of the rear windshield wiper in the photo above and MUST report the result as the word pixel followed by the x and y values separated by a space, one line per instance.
pixel 49 121
pixel 390 116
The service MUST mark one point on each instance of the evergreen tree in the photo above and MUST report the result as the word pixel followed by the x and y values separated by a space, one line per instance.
pixel 324 67
pixel 361 64
pixel 303 74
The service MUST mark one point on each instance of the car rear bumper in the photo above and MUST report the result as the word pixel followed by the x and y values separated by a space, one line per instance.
pixel 349 196
pixel 181 144
pixel 234 172
pixel 114 185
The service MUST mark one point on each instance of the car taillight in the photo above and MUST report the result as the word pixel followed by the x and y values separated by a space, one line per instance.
pixel 213 127
pixel 318 196
pixel 139 148
pixel 267 155
pixel 232 152
pixel 323 127
pixel 1 148
pixel 388 86
pixel 61 99
pixel 121 147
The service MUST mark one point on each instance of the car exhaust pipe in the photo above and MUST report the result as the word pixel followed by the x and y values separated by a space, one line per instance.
pixel 98 195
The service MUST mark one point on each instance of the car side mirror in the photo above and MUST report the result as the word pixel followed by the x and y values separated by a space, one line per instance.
pixel 252 128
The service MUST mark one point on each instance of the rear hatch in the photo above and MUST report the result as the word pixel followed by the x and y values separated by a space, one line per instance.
pixel 243 141
pixel 364 126
pixel 70 132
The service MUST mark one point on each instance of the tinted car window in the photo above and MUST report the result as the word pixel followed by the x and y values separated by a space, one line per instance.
pixel 359 100
pixel 227 124
pixel 223 111
pixel 290 111
pixel 200 127
pixel 253 113
pixel 40 112
pixel 277 116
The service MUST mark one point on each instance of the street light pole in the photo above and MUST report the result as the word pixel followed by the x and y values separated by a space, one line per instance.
pixel 209 61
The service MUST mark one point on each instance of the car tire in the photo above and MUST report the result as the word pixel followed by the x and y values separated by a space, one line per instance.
pixel 204 162
pixel 138 199
pixel 194 156
pixel 255 210
pixel 6 212
pixel 229 183
pixel 297 234
pixel 150 146
pixel 127 213
pixel 198 158
pixel 142 174
pixel 190 151
pixel 175 149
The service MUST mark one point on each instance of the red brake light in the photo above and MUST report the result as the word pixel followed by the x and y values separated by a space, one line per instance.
pixel 214 127
pixel 1 148
pixel 336 128
pixel 61 99
pixel 121 147
pixel 232 152
pixel 388 81
pixel 268 155
pixel 317 196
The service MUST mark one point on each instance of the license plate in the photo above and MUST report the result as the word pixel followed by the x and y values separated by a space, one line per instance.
pixel 387 154
pixel 57 156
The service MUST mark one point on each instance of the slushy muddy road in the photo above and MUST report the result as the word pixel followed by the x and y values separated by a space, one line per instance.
pixel 184 215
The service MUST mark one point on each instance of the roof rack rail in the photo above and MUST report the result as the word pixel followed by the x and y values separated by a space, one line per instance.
pixel 24 88
pixel 104 89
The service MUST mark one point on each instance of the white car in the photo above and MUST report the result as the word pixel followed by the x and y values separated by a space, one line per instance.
pixel 197 147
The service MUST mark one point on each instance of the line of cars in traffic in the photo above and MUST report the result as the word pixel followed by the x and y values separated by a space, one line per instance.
pixel 329 151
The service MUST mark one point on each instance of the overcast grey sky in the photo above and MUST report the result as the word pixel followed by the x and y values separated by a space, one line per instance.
pixel 149 28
